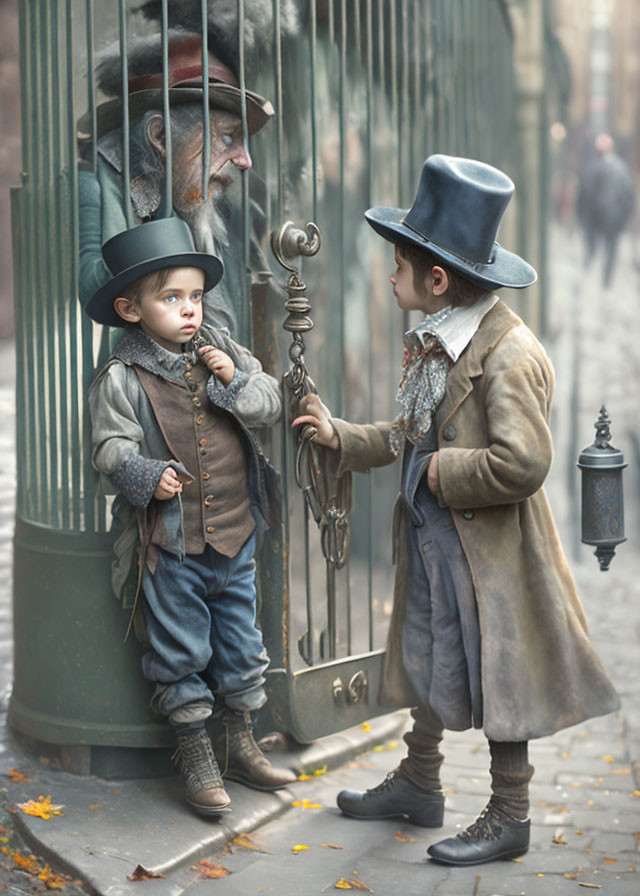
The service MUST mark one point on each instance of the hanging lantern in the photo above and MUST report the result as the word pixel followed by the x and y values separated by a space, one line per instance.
pixel 602 507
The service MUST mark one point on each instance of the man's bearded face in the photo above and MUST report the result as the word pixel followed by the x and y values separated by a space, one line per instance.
pixel 228 154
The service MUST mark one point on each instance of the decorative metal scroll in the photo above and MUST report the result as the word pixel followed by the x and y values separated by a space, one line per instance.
pixel 328 497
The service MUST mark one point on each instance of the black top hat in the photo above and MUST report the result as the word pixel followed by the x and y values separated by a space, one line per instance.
pixel 456 216
pixel 142 250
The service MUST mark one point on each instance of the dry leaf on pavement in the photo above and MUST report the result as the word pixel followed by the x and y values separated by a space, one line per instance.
pixel 332 846
pixel 140 873
pixel 40 808
pixel 401 837
pixel 17 777
pixel 299 847
pixel 350 883
pixel 248 842
pixel 306 804
pixel 210 869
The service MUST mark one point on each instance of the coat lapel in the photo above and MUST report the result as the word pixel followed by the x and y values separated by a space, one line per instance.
pixel 470 363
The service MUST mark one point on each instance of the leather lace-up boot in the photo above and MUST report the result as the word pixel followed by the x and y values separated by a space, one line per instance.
pixel 245 761
pixel 493 835
pixel 204 790
pixel 395 797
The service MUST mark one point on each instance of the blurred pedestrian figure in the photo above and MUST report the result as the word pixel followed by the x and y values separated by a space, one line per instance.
pixel 605 202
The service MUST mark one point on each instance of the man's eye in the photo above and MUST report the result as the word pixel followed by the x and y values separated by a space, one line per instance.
pixel 227 139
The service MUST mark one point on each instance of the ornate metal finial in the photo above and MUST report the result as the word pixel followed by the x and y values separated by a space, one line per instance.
pixel 603 431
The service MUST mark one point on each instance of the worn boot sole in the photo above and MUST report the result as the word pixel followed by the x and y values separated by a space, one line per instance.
pixel 209 811
pixel 431 816
pixel 242 779
pixel 480 860
pixel 433 821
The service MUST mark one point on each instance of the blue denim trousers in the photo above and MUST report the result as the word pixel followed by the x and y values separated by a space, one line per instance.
pixel 200 617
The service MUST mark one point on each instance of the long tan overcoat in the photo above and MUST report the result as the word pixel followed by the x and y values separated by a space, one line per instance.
pixel 539 670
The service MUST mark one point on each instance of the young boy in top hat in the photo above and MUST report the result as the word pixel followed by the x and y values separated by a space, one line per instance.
pixel 170 413
pixel 487 629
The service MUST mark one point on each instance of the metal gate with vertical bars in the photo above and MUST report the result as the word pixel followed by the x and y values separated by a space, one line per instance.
pixel 363 91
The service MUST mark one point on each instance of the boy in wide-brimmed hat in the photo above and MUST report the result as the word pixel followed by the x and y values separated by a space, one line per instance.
pixel 170 413
pixel 487 629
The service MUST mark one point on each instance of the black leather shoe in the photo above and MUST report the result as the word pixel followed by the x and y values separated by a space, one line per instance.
pixel 494 835
pixel 396 797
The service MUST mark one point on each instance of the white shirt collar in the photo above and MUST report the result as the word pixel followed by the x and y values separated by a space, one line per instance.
pixel 453 327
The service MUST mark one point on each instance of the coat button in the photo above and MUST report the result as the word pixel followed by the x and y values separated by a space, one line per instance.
pixel 206 475
pixel 199 418
pixel 210 529
pixel 468 514
pixel 208 500
pixel 449 432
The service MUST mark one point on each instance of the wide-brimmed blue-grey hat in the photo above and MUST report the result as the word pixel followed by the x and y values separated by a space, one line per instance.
pixel 456 216
pixel 149 247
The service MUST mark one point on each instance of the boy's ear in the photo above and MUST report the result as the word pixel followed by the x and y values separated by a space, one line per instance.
pixel 439 280
pixel 127 309
pixel 155 132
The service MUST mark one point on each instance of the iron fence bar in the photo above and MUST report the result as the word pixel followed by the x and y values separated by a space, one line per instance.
pixel 24 307
pixel 39 197
pixel 60 301
pixel 370 408
pixel 314 128
pixel 76 445
pixel 206 115
pixel 91 81
pixel 47 229
pixel 167 208
pixel 244 316
pixel 124 69
pixel 280 109
pixel 343 141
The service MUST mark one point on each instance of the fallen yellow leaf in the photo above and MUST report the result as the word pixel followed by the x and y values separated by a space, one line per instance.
pixel 314 774
pixel 210 870
pixel 249 843
pixel 17 776
pixel 306 804
pixel 40 808
pixel 94 805
pixel 331 846
pixel 608 758
pixel 389 746
pixel 299 847
pixel 519 861
pixel 366 726
pixel 31 865
pixel 636 793
pixel 578 832
pixel 620 771
pixel 609 861
pixel 539 874
pixel 349 883
pixel 565 755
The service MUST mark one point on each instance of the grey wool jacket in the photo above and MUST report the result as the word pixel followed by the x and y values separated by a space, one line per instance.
pixel 130 452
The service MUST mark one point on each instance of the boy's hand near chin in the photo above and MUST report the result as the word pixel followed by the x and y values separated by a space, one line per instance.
pixel 314 412
pixel 218 362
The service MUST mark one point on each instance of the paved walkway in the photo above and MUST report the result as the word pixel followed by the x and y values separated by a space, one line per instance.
pixel 586 790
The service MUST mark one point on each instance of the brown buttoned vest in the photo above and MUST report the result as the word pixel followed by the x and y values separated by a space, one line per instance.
pixel 207 440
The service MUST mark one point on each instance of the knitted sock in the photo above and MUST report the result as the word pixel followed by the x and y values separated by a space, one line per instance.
pixel 422 763
pixel 510 776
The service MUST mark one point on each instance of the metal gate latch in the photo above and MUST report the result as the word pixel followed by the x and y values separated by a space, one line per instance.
pixel 356 689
